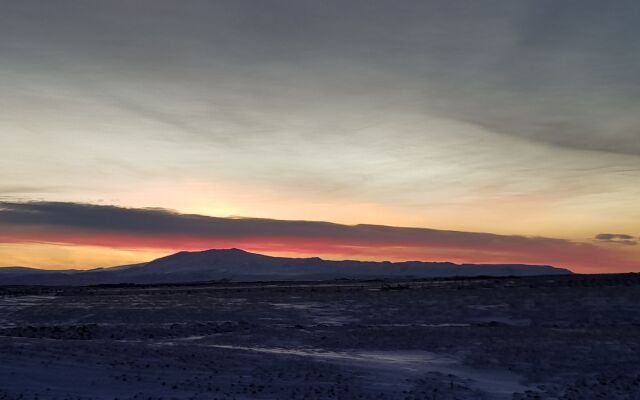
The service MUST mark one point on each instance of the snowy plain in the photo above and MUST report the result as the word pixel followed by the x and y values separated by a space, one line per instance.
pixel 568 337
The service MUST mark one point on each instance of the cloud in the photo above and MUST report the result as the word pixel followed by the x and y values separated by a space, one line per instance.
pixel 540 70
pixel 617 238
pixel 368 99
pixel 548 73
pixel 153 228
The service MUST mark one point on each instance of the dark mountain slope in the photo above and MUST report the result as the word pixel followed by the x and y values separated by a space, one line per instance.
pixel 239 265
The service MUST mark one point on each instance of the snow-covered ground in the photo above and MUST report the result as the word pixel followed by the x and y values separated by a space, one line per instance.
pixel 9 305
pixel 569 338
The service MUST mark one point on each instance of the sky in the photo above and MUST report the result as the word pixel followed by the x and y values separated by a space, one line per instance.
pixel 493 131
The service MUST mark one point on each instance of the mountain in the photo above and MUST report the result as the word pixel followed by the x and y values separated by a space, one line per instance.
pixel 240 265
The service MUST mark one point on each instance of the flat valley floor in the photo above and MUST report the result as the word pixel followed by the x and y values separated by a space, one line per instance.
pixel 567 337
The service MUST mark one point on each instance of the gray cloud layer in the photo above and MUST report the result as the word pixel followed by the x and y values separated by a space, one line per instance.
pixel 443 107
pixel 154 221
pixel 562 73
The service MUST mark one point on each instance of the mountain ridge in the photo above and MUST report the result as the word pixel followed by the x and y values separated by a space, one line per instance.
pixel 240 265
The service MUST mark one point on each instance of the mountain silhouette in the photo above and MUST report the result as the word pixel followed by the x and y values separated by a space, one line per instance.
pixel 239 265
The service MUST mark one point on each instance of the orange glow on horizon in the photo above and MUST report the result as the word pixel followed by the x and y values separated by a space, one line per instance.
pixel 99 250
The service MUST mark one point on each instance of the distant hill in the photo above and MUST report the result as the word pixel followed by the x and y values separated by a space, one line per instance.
pixel 240 265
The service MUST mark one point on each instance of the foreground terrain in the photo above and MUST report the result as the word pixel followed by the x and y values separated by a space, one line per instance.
pixel 561 337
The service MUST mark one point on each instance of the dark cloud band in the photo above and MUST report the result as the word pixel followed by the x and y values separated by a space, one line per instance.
pixel 156 221
pixel 618 238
